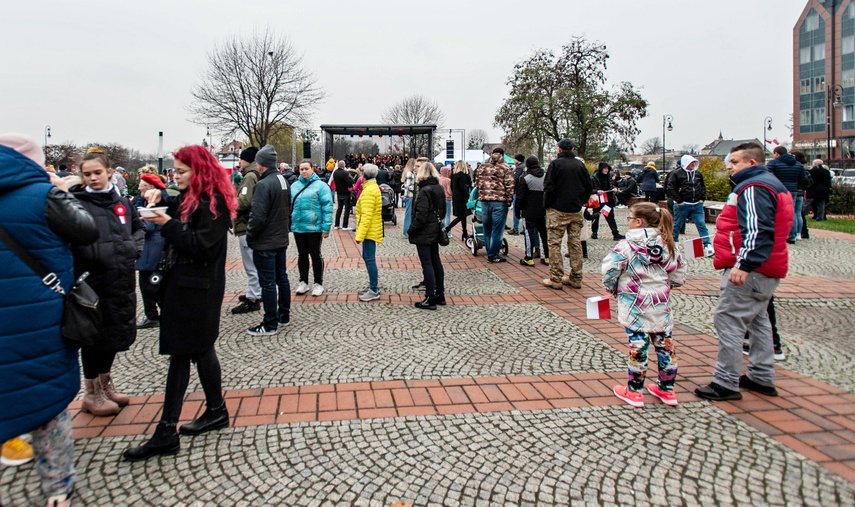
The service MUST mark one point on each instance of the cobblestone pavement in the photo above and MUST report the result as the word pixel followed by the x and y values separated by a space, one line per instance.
pixel 692 455
pixel 816 334
pixel 503 397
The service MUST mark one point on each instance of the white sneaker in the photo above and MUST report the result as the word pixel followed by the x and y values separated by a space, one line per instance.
pixel 347 228
pixel 709 251
pixel 317 290
pixel 369 296
pixel 302 288
pixel 336 227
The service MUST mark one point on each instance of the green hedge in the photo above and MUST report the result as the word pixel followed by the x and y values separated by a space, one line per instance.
pixel 842 200
pixel 716 178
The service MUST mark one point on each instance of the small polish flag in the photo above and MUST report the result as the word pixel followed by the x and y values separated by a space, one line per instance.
pixel 693 248
pixel 598 308
pixel 604 198
pixel 605 210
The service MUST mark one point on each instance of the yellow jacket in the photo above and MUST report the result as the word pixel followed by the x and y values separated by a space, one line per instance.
pixel 330 164
pixel 369 213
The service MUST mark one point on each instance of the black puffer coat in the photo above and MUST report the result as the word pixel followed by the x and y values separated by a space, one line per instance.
pixel 110 262
pixel 461 186
pixel 428 210
pixel 190 319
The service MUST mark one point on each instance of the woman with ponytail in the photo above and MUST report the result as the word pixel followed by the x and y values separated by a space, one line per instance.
pixel 640 272
pixel 195 231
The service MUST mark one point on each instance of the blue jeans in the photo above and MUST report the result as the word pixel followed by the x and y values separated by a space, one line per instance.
pixel 494 215
pixel 514 209
pixel 798 200
pixel 447 219
pixel 272 276
pixel 369 250
pixel 696 213
pixel 408 218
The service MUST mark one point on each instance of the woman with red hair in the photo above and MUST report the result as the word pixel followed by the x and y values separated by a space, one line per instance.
pixel 195 230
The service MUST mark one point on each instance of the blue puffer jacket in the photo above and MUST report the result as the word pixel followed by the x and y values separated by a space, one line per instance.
pixel 40 372
pixel 153 246
pixel 312 210
pixel 789 171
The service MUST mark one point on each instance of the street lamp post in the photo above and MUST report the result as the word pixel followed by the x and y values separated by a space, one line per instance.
pixel 47 136
pixel 767 125
pixel 834 92
pixel 666 124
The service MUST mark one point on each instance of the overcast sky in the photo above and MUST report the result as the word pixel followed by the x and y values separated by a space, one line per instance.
pixel 122 71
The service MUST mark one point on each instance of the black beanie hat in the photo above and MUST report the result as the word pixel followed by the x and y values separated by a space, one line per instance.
pixel 519 157
pixel 532 161
pixel 248 154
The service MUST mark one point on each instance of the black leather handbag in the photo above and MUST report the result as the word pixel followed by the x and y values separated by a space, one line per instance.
pixel 81 318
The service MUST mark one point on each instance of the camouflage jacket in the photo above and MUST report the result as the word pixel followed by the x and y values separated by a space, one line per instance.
pixel 495 182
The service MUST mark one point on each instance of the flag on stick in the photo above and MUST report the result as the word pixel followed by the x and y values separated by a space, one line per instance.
pixel 693 248
pixel 598 308
pixel 605 211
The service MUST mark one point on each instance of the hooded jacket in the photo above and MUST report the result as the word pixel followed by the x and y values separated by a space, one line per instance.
pixel 40 372
pixel 270 214
pixel 567 184
pixel 602 181
pixel 530 193
pixel 445 181
pixel 649 179
pixel 369 213
pixel 311 206
pixel 640 272
pixel 789 171
pixel 428 210
pixel 687 186
pixel 249 179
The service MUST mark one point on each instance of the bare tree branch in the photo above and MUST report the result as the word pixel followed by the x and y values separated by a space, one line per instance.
pixel 416 109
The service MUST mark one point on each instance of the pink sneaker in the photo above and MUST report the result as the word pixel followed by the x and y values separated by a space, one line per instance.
pixel 667 397
pixel 633 398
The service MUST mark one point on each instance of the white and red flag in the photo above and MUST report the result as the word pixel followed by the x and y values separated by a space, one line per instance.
pixel 693 248
pixel 598 307
pixel 605 211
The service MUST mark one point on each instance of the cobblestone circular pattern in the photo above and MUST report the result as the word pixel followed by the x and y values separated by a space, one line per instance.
pixel 816 334
pixel 333 343
pixel 391 281
pixel 692 455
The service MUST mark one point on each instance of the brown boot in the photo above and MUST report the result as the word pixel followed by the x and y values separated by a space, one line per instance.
pixel 120 399
pixel 95 401
pixel 567 280
pixel 552 285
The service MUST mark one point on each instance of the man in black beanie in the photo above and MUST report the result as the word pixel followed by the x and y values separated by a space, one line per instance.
pixel 250 302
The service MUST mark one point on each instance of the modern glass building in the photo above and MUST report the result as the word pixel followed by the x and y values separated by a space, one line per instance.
pixel 824 80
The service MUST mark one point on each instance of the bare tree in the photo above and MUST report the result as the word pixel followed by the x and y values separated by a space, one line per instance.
pixel 63 153
pixel 690 148
pixel 652 146
pixel 476 139
pixel 413 110
pixel 257 86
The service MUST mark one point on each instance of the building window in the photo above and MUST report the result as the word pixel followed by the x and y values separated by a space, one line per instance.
pixel 804 86
pixel 812 22
pixel 849 13
pixel 804 117
pixel 819 52
pixel 819 116
pixel 847 78
pixel 847 44
pixel 819 84
pixel 849 111
pixel 804 55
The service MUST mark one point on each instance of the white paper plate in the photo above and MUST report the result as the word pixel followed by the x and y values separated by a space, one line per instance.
pixel 149 212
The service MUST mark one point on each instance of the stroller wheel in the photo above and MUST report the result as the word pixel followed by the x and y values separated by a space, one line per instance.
pixel 472 243
pixel 394 219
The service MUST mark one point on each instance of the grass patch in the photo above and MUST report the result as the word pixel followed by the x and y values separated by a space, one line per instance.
pixel 833 224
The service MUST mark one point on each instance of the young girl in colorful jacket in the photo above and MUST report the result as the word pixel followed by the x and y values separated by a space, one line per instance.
pixel 640 272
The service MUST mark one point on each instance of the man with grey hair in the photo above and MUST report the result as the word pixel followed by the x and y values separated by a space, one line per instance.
pixel 267 235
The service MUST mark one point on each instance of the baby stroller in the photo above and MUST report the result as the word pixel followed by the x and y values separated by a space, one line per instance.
pixel 476 241
pixel 387 194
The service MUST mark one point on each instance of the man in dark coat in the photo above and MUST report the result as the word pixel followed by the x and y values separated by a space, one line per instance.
pixel 602 182
pixel 267 235
pixel 819 191
pixel 627 188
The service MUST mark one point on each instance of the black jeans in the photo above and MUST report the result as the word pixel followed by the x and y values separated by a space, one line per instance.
pixel 343 205
pixel 95 361
pixel 595 223
pixel 432 271
pixel 149 306
pixel 461 220
pixel 535 227
pixel 309 244
pixel 650 195
pixel 210 376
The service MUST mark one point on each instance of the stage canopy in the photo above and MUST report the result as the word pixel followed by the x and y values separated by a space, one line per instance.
pixel 418 137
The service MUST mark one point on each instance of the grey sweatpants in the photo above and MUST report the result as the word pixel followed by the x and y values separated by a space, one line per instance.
pixel 253 288
pixel 742 308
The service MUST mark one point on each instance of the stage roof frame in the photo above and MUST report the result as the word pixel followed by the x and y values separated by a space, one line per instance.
pixel 379 129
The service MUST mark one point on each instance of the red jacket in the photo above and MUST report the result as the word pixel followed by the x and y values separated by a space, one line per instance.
pixel 752 230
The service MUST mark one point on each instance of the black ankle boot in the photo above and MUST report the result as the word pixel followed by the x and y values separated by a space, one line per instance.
pixel 426 304
pixel 439 299
pixel 212 419
pixel 164 441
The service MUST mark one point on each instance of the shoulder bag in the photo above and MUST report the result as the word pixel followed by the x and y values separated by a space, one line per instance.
pixel 81 319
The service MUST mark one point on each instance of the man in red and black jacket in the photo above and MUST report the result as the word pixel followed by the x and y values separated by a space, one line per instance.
pixel 751 246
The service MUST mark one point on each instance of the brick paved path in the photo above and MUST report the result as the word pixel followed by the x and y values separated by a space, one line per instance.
pixel 503 397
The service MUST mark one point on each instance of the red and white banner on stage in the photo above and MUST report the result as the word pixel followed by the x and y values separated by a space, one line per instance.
pixel 598 307
pixel 693 248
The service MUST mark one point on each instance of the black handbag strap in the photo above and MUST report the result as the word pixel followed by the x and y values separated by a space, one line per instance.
pixel 50 279
pixel 301 191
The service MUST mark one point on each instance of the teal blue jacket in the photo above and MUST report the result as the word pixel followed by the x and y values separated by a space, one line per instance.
pixel 312 209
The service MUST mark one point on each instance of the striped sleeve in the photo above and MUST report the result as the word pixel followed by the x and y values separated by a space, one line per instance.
pixel 756 216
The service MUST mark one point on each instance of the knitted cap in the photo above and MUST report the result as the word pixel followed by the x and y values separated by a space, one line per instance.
pixel 24 145
pixel 266 156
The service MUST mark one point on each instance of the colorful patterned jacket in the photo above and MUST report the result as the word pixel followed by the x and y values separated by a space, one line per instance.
pixel 495 182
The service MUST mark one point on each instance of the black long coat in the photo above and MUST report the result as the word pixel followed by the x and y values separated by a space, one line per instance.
pixel 110 262
pixel 428 210
pixel 193 296
pixel 461 185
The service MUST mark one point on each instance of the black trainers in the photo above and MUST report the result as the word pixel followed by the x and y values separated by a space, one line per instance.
pixel 497 260
pixel 716 392
pixel 618 237
pixel 419 286
pixel 260 330
pixel 747 383
pixel 148 323
pixel 246 307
